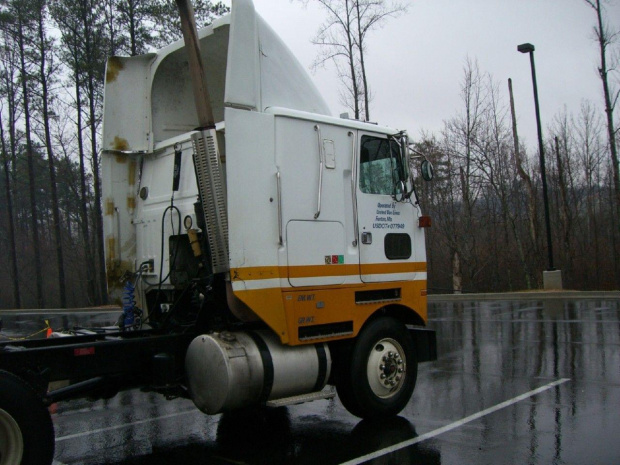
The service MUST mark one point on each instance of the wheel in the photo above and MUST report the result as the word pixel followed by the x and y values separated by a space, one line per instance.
pixel 26 429
pixel 378 374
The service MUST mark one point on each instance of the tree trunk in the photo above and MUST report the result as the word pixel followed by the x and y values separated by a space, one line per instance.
pixel 531 195
pixel 12 103
pixel 362 64
pixel 568 226
pixel 52 170
pixel 350 50
pixel 90 83
pixel 9 210
pixel 31 174
pixel 604 39
pixel 84 223
pixel 457 273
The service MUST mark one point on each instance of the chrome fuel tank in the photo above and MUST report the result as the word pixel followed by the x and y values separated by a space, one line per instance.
pixel 231 370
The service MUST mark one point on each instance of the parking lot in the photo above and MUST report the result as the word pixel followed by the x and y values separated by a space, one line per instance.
pixel 535 380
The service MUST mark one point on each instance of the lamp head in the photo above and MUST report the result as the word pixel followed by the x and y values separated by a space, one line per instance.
pixel 525 48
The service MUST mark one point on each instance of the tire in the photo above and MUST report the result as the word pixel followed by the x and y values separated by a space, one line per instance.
pixel 26 429
pixel 378 375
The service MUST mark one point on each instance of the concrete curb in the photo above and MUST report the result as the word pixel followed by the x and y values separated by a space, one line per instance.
pixel 526 295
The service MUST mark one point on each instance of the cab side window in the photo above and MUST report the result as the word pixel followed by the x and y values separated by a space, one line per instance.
pixel 379 165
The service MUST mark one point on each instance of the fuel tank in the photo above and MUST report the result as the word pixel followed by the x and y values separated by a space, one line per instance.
pixel 232 370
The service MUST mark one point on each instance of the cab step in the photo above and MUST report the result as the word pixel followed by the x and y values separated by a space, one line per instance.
pixel 327 393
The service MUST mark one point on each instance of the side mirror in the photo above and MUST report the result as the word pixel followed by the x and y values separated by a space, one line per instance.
pixel 426 167
pixel 400 191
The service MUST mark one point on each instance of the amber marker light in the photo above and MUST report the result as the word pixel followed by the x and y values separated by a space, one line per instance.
pixel 424 221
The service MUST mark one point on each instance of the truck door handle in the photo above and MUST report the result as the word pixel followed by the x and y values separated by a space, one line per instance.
pixel 353 187
pixel 321 163
pixel 279 187
pixel 366 238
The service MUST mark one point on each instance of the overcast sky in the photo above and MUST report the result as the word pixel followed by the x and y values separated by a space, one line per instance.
pixel 415 62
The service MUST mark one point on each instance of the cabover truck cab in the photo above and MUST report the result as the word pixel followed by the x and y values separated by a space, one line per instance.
pixel 257 261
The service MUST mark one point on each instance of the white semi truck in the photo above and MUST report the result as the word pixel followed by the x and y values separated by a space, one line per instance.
pixel 263 250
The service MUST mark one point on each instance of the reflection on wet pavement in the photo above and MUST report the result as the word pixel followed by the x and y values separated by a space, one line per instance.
pixel 489 352
pixel 492 351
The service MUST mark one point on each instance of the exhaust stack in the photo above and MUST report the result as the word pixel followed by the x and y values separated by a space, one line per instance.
pixel 207 163
pixel 196 67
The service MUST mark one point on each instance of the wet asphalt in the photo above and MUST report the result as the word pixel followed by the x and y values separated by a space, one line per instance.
pixel 532 381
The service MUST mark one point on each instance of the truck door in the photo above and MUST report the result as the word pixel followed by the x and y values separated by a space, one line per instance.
pixel 385 225
pixel 313 160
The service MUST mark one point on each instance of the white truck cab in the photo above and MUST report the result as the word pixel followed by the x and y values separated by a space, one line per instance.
pixel 291 218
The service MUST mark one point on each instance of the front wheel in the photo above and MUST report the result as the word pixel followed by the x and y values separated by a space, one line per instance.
pixel 26 429
pixel 378 374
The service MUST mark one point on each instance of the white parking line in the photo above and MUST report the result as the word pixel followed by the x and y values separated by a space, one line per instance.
pixel 125 425
pixel 456 424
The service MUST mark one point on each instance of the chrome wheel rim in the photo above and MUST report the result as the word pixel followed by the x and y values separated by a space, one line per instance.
pixel 11 442
pixel 386 368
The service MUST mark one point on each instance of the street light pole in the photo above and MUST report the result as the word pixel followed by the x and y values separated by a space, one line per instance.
pixel 529 48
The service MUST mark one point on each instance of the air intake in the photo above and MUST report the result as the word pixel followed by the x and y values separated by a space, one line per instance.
pixel 212 190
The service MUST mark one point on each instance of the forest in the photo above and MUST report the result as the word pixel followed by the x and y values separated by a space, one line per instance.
pixel 52 64
pixel 486 201
pixel 488 231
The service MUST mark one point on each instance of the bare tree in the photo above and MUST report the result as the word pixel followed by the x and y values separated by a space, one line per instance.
pixel 562 148
pixel 10 88
pixel 9 215
pixel 22 22
pixel 72 29
pixel 131 17
pixel 84 33
pixel 94 55
pixel 9 93
pixel 588 130
pixel 606 37
pixel 461 134
pixel 523 174
pixel 46 70
pixel 369 15
pixel 336 39
pixel 493 144
pixel 343 39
